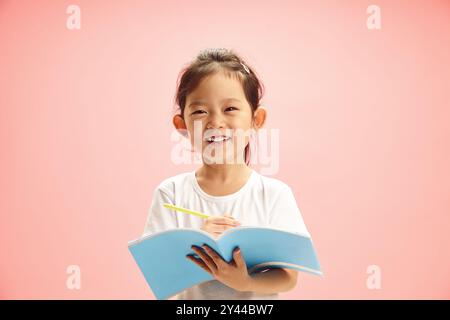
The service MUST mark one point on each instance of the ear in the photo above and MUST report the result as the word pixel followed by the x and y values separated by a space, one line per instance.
pixel 259 117
pixel 180 125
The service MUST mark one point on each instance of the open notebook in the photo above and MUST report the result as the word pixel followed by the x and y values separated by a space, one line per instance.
pixel 162 260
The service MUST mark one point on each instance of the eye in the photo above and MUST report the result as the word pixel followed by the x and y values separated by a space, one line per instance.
pixel 197 112
pixel 231 108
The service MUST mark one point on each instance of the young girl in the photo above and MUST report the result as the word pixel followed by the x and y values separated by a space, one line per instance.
pixel 219 95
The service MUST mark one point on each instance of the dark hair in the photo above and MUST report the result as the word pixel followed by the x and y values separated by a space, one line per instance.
pixel 211 61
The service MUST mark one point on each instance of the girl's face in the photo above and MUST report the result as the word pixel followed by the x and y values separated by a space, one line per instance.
pixel 219 119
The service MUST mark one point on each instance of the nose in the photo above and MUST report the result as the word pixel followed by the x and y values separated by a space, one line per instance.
pixel 214 121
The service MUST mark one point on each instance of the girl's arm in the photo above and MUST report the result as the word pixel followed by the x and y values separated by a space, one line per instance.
pixel 272 281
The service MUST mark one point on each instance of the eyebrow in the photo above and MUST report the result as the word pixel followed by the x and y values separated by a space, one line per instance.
pixel 198 102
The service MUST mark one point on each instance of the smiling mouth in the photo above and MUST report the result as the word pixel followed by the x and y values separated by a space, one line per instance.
pixel 217 139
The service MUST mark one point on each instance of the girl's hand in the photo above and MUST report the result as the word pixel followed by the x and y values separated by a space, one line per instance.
pixel 217 225
pixel 233 274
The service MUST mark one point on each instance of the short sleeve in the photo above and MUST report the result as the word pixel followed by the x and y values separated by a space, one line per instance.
pixel 285 214
pixel 160 218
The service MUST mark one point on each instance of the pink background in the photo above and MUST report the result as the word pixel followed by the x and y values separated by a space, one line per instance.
pixel 86 121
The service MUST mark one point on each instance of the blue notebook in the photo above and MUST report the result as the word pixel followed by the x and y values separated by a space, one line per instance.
pixel 161 256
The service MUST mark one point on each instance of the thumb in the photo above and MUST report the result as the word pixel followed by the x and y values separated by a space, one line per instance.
pixel 238 259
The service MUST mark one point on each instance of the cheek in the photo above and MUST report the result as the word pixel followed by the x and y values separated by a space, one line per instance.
pixel 196 140
pixel 195 131
pixel 240 139
pixel 243 134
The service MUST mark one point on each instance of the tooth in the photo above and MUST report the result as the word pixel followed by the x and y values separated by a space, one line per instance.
pixel 217 138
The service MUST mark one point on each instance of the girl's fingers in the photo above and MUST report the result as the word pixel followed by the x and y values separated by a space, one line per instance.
pixel 224 220
pixel 231 219
pixel 215 256
pixel 238 259
pixel 206 258
pixel 220 228
pixel 226 223
pixel 199 262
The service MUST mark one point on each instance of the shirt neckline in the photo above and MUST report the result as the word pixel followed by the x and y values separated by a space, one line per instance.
pixel 221 198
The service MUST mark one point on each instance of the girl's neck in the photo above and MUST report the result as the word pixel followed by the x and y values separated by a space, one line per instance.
pixel 223 173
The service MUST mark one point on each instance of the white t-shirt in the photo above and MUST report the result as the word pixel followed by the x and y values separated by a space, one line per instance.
pixel 262 202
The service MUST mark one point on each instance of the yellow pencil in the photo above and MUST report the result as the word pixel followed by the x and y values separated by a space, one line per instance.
pixel 195 213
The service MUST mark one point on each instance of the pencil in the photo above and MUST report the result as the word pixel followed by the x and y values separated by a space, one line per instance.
pixel 195 213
